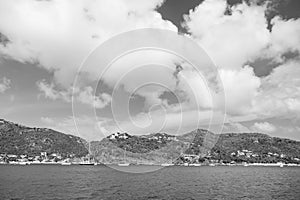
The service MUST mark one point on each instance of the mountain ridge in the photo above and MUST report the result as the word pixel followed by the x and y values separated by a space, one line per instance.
pixel 19 139
pixel 199 144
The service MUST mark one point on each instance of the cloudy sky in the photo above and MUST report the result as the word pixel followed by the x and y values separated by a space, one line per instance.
pixel 254 46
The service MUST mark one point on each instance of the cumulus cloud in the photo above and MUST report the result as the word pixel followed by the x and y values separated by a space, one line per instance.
pixel 4 84
pixel 195 89
pixel 263 127
pixel 284 38
pixel 50 92
pixel 231 40
pixel 241 88
pixel 235 36
pixel 279 95
pixel 59 34
pixel 84 95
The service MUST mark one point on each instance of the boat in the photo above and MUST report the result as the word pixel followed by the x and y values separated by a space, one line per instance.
pixel 24 163
pixel 123 164
pixel 48 163
pixel 186 164
pixel 212 164
pixel 88 162
pixel 195 164
pixel 65 163
pixel 280 164
pixel 167 164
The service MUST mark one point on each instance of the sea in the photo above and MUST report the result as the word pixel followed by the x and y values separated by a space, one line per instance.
pixel 175 182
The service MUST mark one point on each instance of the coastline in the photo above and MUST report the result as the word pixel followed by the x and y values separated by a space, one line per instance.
pixel 163 165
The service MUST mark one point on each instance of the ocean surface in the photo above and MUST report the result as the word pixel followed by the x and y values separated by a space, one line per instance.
pixel 101 182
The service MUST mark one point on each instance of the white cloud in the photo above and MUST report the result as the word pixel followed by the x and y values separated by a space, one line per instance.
pixel 284 38
pixel 241 88
pixel 195 89
pixel 235 39
pixel 50 92
pixel 279 95
pixel 84 95
pixel 59 34
pixel 264 127
pixel 231 40
pixel 4 84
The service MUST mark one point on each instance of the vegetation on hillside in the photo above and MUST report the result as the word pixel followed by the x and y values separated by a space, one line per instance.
pixel 196 147
pixel 255 147
pixel 17 139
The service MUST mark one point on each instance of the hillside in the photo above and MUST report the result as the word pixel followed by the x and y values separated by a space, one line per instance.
pixel 152 148
pixel 17 139
pixel 194 147
pixel 255 147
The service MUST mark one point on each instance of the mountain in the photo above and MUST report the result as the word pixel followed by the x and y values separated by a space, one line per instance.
pixel 255 147
pixel 197 146
pixel 140 144
pixel 150 148
pixel 17 139
pixel 194 147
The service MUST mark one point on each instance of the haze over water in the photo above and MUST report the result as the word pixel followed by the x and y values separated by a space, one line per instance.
pixel 101 182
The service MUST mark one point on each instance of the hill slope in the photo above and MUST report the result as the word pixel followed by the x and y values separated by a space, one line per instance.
pixel 196 146
pixel 256 147
pixel 17 139
pixel 193 147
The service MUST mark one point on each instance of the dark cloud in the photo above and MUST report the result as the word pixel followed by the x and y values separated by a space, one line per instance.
pixel 264 66
pixel 177 70
pixel 170 97
pixel 4 39
pixel 174 10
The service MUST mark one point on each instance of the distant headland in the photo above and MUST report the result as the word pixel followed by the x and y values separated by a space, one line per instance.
pixel 25 145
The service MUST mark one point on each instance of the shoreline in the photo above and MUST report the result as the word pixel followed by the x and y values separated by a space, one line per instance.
pixel 163 165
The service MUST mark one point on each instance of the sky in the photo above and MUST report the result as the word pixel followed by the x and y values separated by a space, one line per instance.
pixel 252 47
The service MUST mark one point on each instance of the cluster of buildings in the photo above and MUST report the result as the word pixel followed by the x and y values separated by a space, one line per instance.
pixel 118 136
pixel 42 158
pixel 248 154
pixel 244 156
pixel 158 136
pixel 163 136
pixel 245 153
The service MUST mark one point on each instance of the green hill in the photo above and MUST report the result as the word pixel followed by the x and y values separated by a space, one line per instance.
pixel 196 146
pixel 257 147
pixel 17 139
